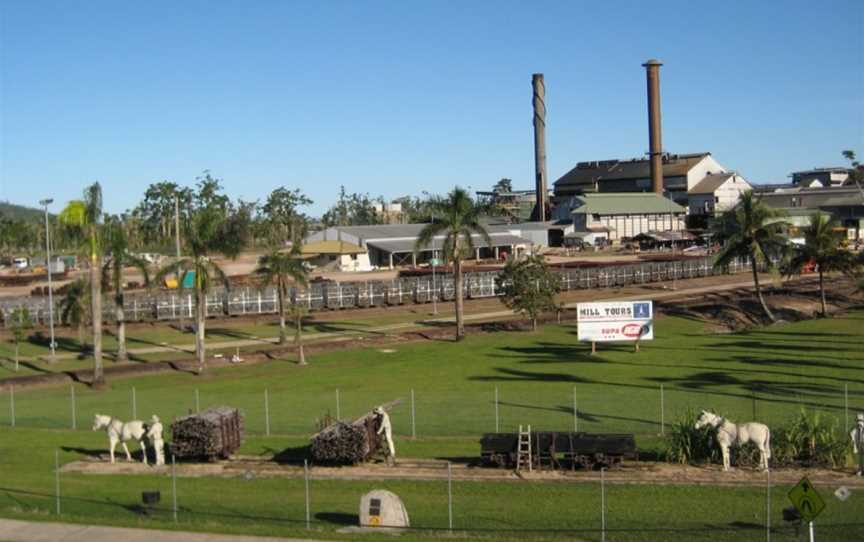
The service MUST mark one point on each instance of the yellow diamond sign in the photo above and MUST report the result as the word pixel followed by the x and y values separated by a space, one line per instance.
pixel 806 500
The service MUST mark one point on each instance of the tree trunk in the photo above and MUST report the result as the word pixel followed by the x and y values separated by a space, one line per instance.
pixel 822 294
pixel 283 336
pixel 460 311
pixel 759 291
pixel 96 314
pixel 120 316
pixel 298 340
pixel 201 316
pixel 534 323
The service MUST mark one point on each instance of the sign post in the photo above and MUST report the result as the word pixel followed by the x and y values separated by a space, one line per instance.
pixel 807 501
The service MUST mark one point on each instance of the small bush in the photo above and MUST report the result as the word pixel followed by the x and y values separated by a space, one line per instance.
pixel 686 444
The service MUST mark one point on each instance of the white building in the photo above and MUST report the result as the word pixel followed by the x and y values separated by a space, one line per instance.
pixel 620 216
pixel 717 193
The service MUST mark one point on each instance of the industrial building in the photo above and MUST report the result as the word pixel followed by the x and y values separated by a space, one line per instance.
pixel 387 246
pixel 846 205
pixel 717 193
pixel 623 216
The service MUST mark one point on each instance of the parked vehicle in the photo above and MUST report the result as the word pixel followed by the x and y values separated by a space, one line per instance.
pixel 20 263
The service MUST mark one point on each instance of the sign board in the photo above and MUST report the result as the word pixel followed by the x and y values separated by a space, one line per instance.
pixel 615 321
pixel 806 500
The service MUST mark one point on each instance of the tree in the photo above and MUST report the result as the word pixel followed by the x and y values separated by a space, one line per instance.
pixel 529 287
pixel 457 217
pixel 351 210
pixel 73 308
pixel 504 185
pixel 754 231
pixel 822 247
pixel 283 220
pixel 856 171
pixel 213 226
pixel 20 322
pixel 117 243
pixel 85 217
pixel 155 213
pixel 277 268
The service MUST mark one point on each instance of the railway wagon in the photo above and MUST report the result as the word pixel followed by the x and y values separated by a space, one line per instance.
pixel 560 449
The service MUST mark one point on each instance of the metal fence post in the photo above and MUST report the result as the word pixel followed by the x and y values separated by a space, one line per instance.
pixel 72 401
pixel 134 404
pixel 846 405
pixel 413 417
pixel 306 480
pixel 338 406
pixel 12 404
pixel 497 426
pixel 603 504
pixel 575 412
pixel 768 506
pixel 450 496
pixel 662 413
pixel 57 478
pixel 174 486
pixel 267 411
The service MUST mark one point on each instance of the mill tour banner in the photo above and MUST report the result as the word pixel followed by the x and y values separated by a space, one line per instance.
pixel 615 321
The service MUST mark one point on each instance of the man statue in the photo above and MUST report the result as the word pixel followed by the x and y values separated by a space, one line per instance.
pixel 857 435
pixel 154 435
pixel 384 428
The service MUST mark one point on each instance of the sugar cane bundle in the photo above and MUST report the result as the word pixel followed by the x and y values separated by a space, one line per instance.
pixel 213 433
pixel 341 443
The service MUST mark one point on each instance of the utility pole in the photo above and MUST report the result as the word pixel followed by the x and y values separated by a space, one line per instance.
pixel 177 253
pixel 45 203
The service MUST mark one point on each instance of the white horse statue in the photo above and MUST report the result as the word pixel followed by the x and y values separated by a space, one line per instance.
pixel 121 432
pixel 729 434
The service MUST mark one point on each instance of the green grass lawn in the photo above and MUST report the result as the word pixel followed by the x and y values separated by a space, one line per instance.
pixel 784 368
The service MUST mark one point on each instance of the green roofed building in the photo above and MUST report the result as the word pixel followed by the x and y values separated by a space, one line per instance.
pixel 624 215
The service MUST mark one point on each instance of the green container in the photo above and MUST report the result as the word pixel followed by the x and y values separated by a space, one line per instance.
pixel 189 280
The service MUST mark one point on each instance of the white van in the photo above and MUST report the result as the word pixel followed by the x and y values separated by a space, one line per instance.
pixel 20 263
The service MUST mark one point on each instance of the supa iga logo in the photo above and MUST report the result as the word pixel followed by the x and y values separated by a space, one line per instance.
pixel 635 330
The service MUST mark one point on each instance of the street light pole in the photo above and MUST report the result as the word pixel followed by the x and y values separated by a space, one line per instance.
pixel 45 203
pixel 434 283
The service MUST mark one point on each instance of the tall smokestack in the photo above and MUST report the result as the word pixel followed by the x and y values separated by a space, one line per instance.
pixel 655 137
pixel 539 101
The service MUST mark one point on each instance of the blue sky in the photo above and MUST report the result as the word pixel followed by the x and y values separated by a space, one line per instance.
pixel 396 98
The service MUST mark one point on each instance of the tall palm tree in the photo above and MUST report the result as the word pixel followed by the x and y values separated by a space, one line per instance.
pixel 822 246
pixel 210 230
pixel 117 245
pixel 457 218
pixel 754 231
pixel 84 216
pixel 277 268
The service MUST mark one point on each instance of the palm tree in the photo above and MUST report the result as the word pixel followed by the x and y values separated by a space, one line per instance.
pixel 210 229
pixel 84 217
pixel 457 217
pixel 117 243
pixel 277 268
pixel 73 308
pixel 822 246
pixel 754 231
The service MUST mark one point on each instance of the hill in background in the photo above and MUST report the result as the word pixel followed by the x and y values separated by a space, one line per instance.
pixel 19 212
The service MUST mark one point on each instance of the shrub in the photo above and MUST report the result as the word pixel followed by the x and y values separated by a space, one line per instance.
pixel 686 444
pixel 810 440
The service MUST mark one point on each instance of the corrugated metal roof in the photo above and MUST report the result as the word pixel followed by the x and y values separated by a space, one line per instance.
pixel 331 247
pixel 626 204
pixel 407 245
pixel 586 173
pixel 711 183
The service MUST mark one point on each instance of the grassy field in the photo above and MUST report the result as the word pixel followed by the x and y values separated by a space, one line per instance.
pixel 774 371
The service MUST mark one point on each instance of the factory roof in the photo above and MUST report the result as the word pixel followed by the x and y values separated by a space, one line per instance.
pixel 635 203
pixel 711 183
pixel 674 165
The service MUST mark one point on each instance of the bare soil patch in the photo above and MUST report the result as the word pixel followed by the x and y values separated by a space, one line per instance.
pixel 650 473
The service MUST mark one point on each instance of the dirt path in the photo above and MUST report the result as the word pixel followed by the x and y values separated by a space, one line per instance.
pixel 430 469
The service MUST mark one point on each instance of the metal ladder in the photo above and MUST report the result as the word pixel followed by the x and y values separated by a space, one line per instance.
pixel 523 451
